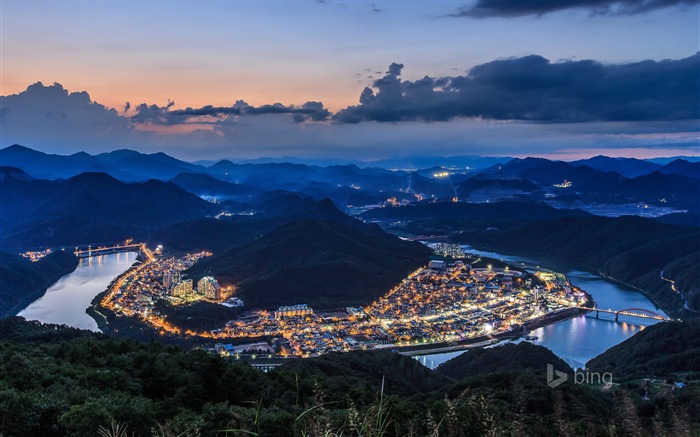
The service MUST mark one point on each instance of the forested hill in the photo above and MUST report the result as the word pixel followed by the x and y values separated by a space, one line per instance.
pixel 658 350
pixel 89 208
pixel 502 358
pixel 23 281
pixel 324 263
pixel 59 381
pixel 630 249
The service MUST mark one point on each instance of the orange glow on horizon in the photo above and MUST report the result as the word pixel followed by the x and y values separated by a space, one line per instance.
pixel 256 91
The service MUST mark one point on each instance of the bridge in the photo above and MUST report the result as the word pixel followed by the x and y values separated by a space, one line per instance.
pixel 631 312
pixel 86 253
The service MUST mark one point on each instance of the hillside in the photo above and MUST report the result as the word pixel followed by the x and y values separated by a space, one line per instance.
pixel 60 381
pixel 91 208
pixel 126 165
pixel 206 185
pixel 603 180
pixel 271 210
pixel 661 350
pixel 500 359
pixel 23 281
pixel 631 249
pixel 683 168
pixel 324 263
pixel 457 218
pixel 628 167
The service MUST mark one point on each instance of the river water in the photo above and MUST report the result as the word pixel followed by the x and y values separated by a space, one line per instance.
pixel 65 302
pixel 575 340
pixel 579 339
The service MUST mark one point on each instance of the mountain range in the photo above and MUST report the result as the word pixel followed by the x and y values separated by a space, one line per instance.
pixel 274 224
pixel 672 187
pixel 89 208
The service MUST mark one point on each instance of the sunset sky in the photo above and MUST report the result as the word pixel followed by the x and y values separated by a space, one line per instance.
pixel 353 79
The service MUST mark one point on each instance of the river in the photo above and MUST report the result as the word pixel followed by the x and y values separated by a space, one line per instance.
pixel 575 340
pixel 579 339
pixel 65 302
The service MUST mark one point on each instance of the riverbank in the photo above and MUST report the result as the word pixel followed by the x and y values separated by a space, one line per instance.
pixel 96 310
pixel 66 301
pixel 559 262
pixel 23 281
pixel 487 340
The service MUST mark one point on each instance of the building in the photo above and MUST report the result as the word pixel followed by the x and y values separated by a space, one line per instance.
pixel 438 265
pixel 293 311
pixel 183 288
pixel 171 278
pixel 448 249
pixel 209 288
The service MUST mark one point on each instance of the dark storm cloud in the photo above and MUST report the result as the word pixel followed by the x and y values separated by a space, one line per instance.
pixel 313 111
pixel 309 111
pixel 532 88
pixel 518 8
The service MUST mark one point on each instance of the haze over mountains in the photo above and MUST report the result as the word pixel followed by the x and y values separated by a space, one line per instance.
pixel 595 180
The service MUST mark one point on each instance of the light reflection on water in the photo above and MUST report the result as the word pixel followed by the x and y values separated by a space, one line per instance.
pixel 65 302
pixel 582 338
pixel 575 340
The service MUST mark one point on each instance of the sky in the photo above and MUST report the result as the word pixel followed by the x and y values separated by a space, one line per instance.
pixel 563 79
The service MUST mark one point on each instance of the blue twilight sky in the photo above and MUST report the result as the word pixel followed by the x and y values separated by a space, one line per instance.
pixel 353 79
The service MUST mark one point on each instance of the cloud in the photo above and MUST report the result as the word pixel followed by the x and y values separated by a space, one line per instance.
pixel 532 88
pixel 46 113
pixel 164 115
pixel 313 111
pixel 519 8
pixel 509 106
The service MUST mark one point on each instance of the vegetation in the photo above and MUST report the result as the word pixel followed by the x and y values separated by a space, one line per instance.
pixel 90 208
pixel 630 249
pixel 23 281
pixel 197 315
pixel 458 218
pixel 662 350
pixel 57 381
pixel 504 358
pixel 324 263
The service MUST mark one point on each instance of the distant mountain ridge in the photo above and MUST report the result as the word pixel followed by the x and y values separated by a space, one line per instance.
pixel 675 185
pixel 90 208
pixel 627 167
pixel 126 165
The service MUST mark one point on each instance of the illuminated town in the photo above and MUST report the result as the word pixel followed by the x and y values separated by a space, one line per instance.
pixel 35 256
pixel 443 302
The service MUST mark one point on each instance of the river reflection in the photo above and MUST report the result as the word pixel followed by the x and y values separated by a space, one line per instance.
pixel 578 340
pixel 66 301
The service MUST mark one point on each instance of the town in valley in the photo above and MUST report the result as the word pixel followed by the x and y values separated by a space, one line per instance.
pixel 457 299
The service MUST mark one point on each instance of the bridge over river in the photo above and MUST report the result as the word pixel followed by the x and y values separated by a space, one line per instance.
pixel 631 312
pixel 135 247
